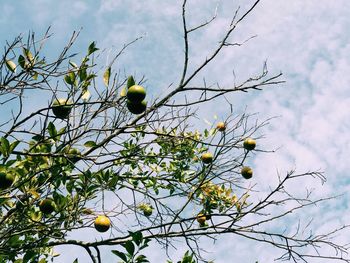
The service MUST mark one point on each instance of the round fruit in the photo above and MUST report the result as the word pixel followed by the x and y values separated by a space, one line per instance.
pixel 6 180
pixel 136 93
pixel 201 219
pixel 74 155
pixel 61 108
pixel 249 144
pixel 207 157
pixel 247 172
pixel 136 108
pixel 148 211
pixel 47 206
pixel 102 223
pixel 221 126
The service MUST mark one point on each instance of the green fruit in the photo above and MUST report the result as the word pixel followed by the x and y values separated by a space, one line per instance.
pixel 102 223
pixel 61 108
pixel 130 82
pixel 136 108
pixel 6 180
pixel 249 144
pixel 47 206
pixel 247 172
pixel 207 157
pixel 136 94
pixel 147 211
pixel 74 155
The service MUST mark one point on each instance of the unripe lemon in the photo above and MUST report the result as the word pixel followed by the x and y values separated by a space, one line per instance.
pixel 207 157
pixel 136 93
pixel 102 223
pixel 61 108
pixel 247 172
pixel 136 108
pixel 6 180
pixel 47 206
pixel 249 144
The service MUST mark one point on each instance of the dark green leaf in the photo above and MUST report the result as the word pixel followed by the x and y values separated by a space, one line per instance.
pixel 21 61
pixel 129 246
pixel 130 82
pixel 13 146
pixel 5 146
pixel 52 130
pixel 136 237
pixel 92 48
pixel 121 255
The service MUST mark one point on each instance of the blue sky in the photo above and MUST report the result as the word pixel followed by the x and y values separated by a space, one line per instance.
pixel 307 40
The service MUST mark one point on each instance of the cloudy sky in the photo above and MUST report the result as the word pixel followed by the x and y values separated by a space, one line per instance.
pixel 307 40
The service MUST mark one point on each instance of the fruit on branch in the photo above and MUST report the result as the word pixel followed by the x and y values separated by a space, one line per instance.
pixel 130 82
pixel 136 94
pixel 247 172
pixel 47 206
pixel 147 209
pixel 73 154
pixel 201 218
pixel 6 180
pixel 61 108
pixel 207 157
pixel 102 223
pixel 136 108
pixel 249 144
pixel 221 126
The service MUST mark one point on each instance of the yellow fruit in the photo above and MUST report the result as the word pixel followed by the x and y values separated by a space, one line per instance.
pixel 201 218
pixel 207 157
pixel 221 126
pixel 136 108
pixel 61 108
pixel 6 180
pixel 47 206
pixel 247 172
pixel 102 223
pixel 136 94
pixel 148 211
pixel 249 144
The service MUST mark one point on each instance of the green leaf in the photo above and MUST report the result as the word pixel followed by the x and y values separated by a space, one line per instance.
pixel 52 130
pixel 106 76
pixel 92 48
pixel 5 146
pixel 13 146
pixel 136 237
pixel 82 73
pixel 74 65
pixel 75 261
pixel 129 246
pixel 121 255
pixel 90 144
pixel 11 65
pixel 28 55
pixel 70 78
pixel 141 259
pixel 21 61
pixel 130 82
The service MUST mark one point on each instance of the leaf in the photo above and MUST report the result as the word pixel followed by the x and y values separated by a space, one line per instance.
pixel 137 237
pixel 35 76
pixel 11 65
pixel 130 82
pixel 120 254
pixel 141 259
pixel 75 261
pixel 86 96
pixel 74 65
pixel 13 146
pixel 70 78
pixel 123 92
pixel 21 61
pixel 129 246
pixel 82 73
pixel 90 144
pixel 5 146
pixel 52 130
pixel 92 48
pixel 106 76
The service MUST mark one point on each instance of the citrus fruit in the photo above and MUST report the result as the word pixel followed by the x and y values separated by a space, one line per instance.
pixel 136 108
pixel 47 206
pixel 247 172
pixel 6 180
pixel 136 93
pixel 102 223
pixel 249 144
pixel 221 126
pixel 207 157
pixel 201 218
pixel 147 211
pixel 61 108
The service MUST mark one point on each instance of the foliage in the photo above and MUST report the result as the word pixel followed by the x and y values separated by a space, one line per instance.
pixel 143 170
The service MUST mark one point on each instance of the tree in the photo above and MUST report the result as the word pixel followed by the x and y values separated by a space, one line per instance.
pixel 139 168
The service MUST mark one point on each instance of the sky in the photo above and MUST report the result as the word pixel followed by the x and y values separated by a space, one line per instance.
pixel 306 40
